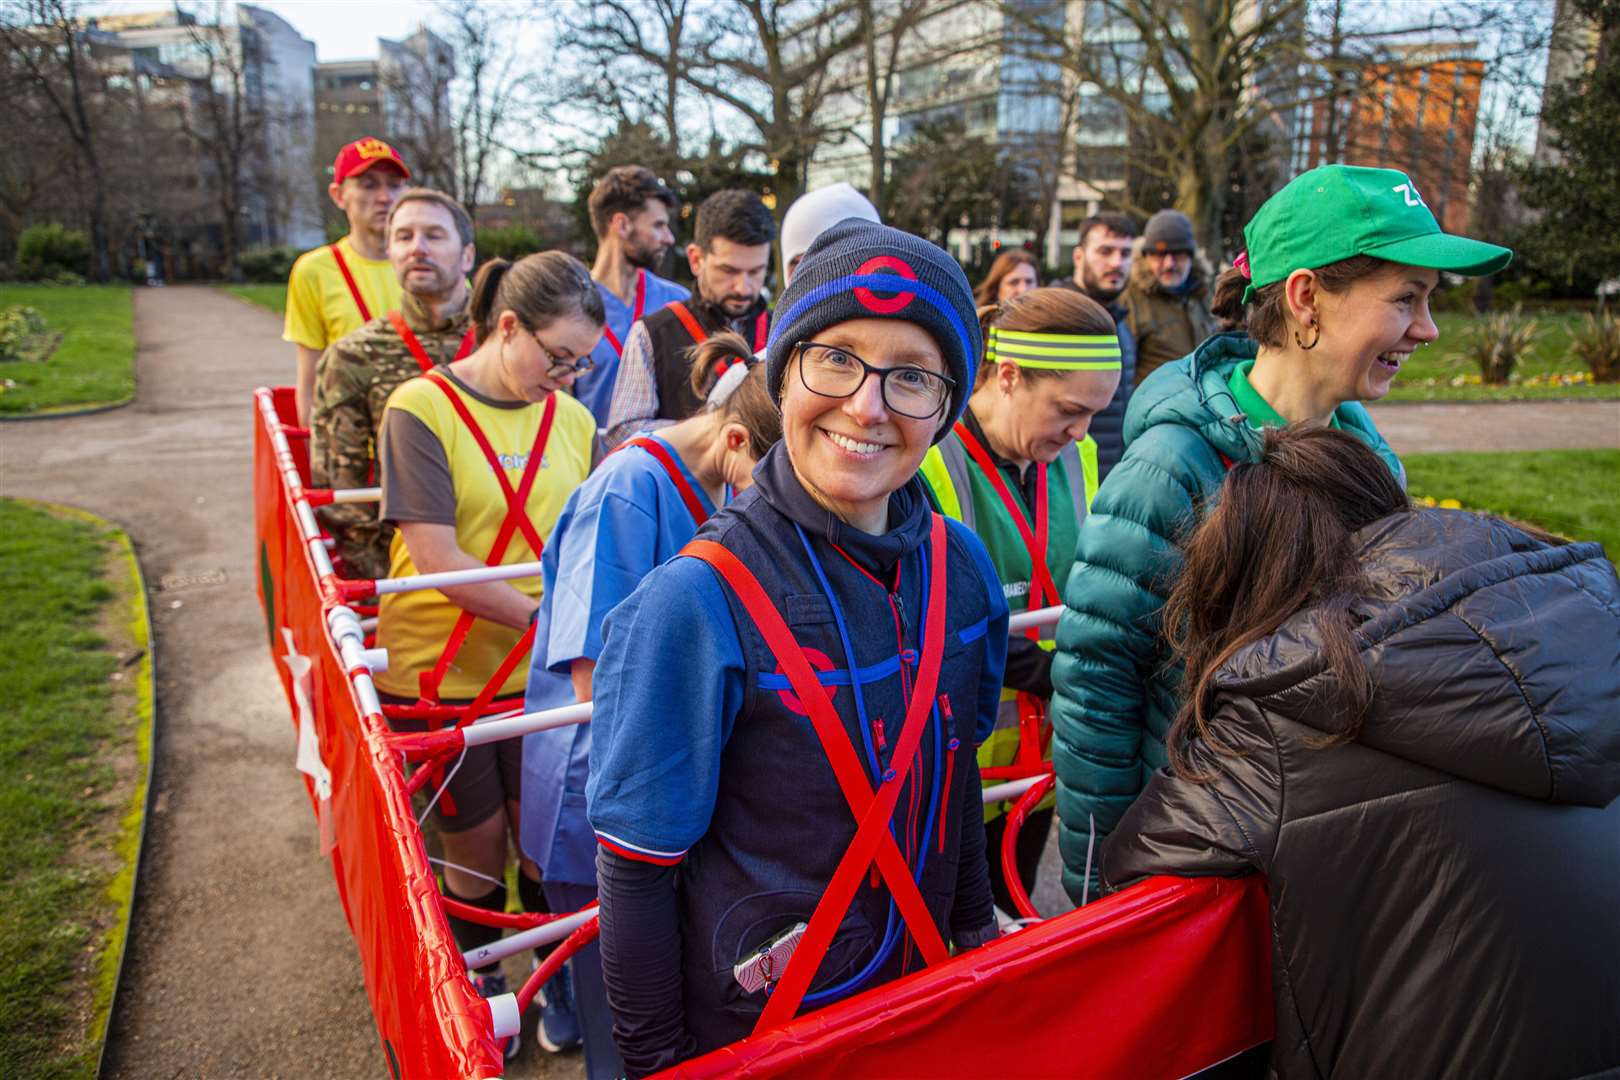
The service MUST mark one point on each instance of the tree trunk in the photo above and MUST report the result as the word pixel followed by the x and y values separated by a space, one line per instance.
pixel 101 267
pixel 878 101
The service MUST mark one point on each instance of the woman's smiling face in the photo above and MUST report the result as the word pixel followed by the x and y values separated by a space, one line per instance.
pixel 1370 329
pixel 852 453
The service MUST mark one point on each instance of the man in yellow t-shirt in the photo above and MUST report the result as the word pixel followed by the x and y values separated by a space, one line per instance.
pixel 336 288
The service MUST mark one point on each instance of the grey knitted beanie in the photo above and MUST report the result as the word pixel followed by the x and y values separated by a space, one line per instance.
pixel 1169 230
pixel 861 270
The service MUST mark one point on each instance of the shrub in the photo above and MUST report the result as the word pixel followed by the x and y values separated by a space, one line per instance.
pixel 512 242
pixel 269 265
pixel 1497 345
pixel 19 327
pixel 43 251
pixel 1597 342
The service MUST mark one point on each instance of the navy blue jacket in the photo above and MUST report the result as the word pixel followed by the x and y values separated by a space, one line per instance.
pixel 703 759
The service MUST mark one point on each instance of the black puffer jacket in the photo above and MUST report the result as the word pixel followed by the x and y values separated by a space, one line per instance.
pixel 1445 890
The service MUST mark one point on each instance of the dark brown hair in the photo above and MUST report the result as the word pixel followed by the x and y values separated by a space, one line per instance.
pixel 1008 261
pixel 735 214
pixel 1266 314
pixel 1112 220
pixel 750 404
pixel 1280 539
pixel 538 289
pixel 1051 311
pixel 625 189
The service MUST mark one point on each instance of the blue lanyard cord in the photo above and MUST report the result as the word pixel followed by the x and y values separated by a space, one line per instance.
pixel 849 653
pixel 891 930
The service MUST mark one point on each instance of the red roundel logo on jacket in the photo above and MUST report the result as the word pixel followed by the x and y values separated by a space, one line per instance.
pixel 821 662
pixel 885 305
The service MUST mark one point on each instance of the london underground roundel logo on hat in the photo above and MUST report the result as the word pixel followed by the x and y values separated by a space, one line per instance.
pixel 885 305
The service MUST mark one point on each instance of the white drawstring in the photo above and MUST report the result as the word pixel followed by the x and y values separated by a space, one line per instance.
pixel 1091 843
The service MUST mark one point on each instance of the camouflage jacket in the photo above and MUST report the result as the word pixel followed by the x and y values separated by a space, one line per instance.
pixel 353 379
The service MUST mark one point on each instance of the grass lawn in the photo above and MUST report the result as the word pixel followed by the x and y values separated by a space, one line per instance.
pixel 93 365
pixel 1429 374
pixel 273 297
pixel 73 754
pixel 1574 493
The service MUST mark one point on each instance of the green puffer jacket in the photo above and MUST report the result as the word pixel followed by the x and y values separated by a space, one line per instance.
pixel 1115 699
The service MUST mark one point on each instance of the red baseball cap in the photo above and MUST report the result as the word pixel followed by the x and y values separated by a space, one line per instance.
pixel 361 155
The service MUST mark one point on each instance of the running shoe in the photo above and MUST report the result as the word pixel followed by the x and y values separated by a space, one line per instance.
pixel 489 986
pixel 558 1029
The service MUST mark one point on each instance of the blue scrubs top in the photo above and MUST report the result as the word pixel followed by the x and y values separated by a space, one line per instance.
pixel 624 521
pixel 595 388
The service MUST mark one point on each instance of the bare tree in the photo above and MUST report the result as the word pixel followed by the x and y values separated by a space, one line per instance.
pixel 654 36
pixel 764 62
pixel 456 104
pixel 770 65
pixel 1198 85
pixel 884 28
pixel 48 52
pixel 227 121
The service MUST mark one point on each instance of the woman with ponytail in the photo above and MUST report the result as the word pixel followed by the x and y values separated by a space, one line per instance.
pixel 1406 720
pixel 1338 272
pixel 458 445
pixel 636 511
pixel 1019 470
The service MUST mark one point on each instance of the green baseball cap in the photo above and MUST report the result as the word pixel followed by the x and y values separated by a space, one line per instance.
pixel 1335 211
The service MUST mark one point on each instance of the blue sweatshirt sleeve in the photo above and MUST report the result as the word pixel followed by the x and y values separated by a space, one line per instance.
pixel 993 671
pixel 670 684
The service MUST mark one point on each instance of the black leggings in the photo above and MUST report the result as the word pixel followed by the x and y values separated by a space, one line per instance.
pixel 1030 845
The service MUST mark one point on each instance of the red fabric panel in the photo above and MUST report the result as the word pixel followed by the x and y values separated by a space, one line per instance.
pixel 1157 981
pixel 432 1021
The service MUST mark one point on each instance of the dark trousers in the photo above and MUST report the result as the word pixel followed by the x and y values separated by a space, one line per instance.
pixel 590 992
pixel 1027 854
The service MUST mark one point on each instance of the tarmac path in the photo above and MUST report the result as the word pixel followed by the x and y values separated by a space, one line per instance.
pixel 1443 427
pixel 239 963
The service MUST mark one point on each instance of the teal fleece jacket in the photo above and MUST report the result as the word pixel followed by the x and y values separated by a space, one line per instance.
pixel 1116 694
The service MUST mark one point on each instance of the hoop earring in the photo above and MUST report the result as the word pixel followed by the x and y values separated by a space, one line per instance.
pixel 1318 328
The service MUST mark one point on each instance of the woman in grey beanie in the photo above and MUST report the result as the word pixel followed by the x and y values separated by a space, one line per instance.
pixel 827 651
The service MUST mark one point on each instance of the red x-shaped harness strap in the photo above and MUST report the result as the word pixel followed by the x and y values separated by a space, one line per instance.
pixel 1033 732
pixel 516 519
pixel 635 314
pixel 694 505
pixel 873 811
pixel 469 342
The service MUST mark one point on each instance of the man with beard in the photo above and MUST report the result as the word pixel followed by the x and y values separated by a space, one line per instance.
pixel 630 211
pixel 335 288
pixel 430 247
pixel 1102 267
pixel 730 251
pixel 1167 297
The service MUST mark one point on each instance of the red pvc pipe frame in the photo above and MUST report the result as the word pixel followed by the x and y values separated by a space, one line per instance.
pixel 437 748
pixel 1021 810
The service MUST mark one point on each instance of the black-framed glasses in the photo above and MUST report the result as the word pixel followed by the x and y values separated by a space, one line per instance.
pixel 836 372
pixel 561 369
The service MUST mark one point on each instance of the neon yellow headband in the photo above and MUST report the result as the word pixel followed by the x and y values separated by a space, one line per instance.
pixel 1066 352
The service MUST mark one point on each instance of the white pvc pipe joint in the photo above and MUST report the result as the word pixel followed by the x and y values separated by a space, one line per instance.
pixel 1011 789
pixel 1046 616
pixel 504 1018
pixel 445 578
pixel 357 495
